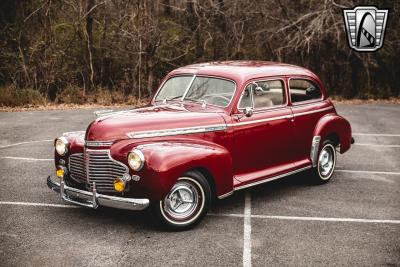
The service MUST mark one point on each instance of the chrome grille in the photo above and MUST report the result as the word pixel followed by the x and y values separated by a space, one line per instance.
pixel 100 168
pixel 103 170
pixel 77 167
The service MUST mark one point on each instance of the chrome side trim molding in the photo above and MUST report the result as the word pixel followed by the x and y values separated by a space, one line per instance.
pixel 312 111
pixel 271 179
pixel 258 121
pixel 177 131
pixel 314 150
pixel 211 128
pixel 226 195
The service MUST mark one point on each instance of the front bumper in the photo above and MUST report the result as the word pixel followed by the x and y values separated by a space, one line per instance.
pixel 94 199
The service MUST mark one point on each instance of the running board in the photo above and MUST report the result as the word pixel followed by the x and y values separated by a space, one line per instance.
pixel 266 180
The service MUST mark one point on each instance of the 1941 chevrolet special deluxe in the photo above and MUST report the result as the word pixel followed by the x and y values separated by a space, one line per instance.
pixel 211 129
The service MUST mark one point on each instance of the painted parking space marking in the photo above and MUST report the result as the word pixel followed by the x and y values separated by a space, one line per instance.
pixel 233 215
pixel 302 218
pixel 247 230
pixel 375 134
pixel 372 177
pixel 36 204
pixel 27 159
pixel 374 145
pixel 27 142
pixel 371 172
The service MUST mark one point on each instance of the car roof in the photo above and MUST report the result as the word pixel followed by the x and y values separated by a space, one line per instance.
pixel 243 70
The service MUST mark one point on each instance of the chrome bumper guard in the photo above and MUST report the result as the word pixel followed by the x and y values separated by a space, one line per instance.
pixel 94 199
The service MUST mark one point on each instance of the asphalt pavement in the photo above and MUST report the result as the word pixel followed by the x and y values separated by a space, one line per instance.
pixel 352 221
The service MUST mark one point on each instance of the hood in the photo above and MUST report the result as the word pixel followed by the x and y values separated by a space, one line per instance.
pixel 117 125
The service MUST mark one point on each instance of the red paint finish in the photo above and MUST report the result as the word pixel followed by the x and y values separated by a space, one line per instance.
pixel 245 150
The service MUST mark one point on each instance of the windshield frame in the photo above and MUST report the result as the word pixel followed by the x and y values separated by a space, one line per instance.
pixel 182 99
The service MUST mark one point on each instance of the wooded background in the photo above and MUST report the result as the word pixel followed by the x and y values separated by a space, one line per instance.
pixel 73 48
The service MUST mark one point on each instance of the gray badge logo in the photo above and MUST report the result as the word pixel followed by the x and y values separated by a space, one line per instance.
pixel 365 27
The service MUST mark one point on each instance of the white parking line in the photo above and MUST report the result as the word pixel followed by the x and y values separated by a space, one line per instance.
pixel 247 230
pixel 234 215
pixel 35 204
pixel 28 159
pixel 371 172
pixel 301 218
pixel 377 145
pixel 27 142
pixel 375 134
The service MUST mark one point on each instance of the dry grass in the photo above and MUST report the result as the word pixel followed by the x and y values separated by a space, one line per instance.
pixel 53 106
pixel 12 99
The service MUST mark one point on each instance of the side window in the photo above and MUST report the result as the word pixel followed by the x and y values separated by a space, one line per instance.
pixel 245 100
pixel 265 94
pixel 303 90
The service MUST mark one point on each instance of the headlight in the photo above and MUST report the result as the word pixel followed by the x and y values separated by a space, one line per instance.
pixel 136 159
pixel 61 145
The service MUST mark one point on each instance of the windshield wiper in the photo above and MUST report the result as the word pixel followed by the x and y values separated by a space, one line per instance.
pixel 168 99
pixel 172 98
pixel 202 101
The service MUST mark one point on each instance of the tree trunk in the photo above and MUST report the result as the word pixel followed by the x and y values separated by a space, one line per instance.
pixel 89 40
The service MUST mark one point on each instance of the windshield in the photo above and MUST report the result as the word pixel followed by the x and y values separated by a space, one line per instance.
pixel 208 90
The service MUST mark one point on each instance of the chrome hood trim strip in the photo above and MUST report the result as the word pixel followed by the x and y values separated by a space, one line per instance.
pixel 177 131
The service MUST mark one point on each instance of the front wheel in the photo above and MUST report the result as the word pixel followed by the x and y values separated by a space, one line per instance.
pixel 186 204
pixel 326 164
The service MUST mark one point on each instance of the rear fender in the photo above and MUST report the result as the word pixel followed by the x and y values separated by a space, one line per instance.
pixel 334 124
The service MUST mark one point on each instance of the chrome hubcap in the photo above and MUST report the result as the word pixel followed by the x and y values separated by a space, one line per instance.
pixel 326 161
pixel 182 201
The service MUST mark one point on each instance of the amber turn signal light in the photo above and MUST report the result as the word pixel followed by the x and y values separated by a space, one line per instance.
pixel 119 185
pixel 60 171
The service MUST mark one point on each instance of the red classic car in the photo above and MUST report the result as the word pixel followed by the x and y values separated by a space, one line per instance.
pixel 211 129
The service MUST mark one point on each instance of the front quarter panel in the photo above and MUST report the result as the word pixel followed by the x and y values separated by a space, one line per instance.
pixel 169 160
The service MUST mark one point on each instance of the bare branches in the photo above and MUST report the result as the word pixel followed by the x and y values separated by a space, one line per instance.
pixel 130 45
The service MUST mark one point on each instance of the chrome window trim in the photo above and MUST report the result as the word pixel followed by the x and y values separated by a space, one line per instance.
pixel 312 111
pixel 153 100
pixel 187 89
pixel 312 101
pixel 252 98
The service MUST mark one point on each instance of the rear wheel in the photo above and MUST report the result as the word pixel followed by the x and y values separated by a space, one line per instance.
pixel 326 164
pixel 186 204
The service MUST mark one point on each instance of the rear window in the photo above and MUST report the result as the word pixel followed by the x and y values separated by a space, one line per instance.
pixel 302 90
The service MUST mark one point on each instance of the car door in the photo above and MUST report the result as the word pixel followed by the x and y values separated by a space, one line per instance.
pixel 308 107
pixel 263 141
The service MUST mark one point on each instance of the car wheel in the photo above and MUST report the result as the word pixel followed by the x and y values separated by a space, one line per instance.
pixel 326 164
pixel 186 203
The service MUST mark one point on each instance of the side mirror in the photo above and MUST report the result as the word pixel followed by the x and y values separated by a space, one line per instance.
pixel 248 112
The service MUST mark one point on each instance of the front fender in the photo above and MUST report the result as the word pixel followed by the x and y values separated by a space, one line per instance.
pixel 166 161
pixel 335 124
